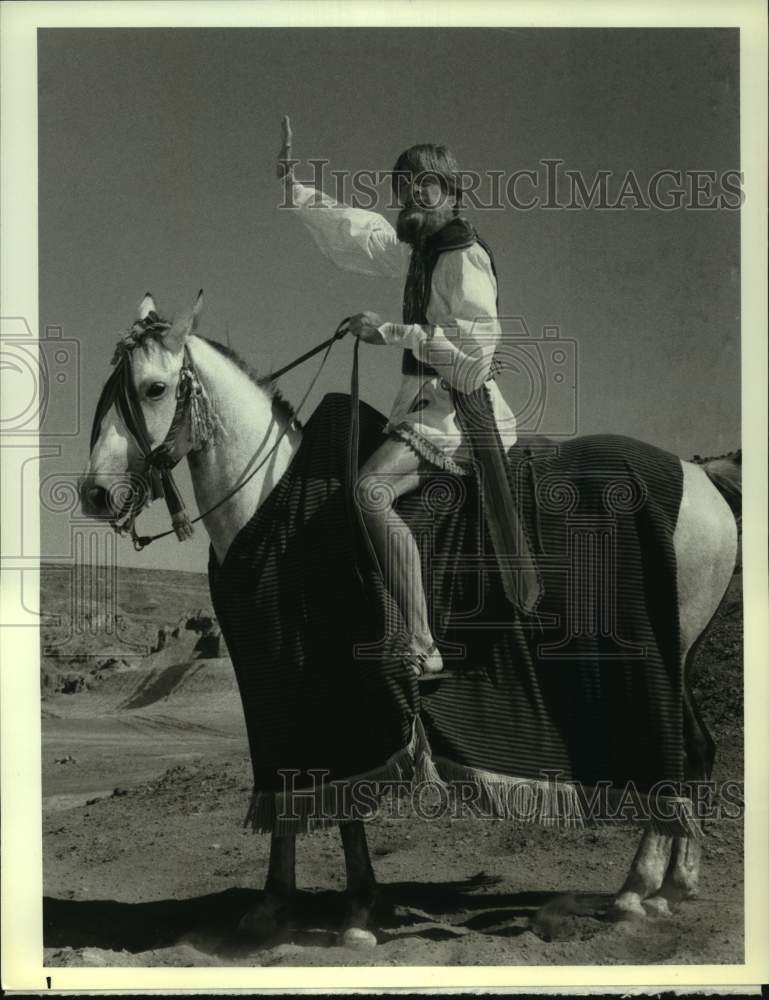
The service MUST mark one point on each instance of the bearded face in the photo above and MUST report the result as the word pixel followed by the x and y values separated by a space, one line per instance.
pixel 426 208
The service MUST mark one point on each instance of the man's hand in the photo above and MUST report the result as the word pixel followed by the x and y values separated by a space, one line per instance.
pixel 365 326
pixel 285 166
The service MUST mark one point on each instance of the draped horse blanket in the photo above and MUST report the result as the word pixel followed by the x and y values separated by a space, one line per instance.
pixel 533 712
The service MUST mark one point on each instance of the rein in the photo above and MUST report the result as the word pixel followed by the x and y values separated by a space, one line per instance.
pixel 120 391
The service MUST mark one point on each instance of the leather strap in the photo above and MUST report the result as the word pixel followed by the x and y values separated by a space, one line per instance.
pixel 142 541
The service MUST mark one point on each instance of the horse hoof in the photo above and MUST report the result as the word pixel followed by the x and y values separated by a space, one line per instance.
pixel 628 907
pixel 657 906
pixel 357 937
pixel 263 921
pixel 677 892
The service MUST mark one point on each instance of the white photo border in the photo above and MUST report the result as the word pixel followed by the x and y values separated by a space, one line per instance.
pixel 23 967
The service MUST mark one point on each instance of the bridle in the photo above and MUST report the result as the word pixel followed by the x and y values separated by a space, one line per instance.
pixel 192 410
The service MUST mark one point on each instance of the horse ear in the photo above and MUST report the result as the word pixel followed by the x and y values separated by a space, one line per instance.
pixel 182 328
pixel 197 309
pixel 147 306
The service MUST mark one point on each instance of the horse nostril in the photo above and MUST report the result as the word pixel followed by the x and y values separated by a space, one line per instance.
pixel 95 500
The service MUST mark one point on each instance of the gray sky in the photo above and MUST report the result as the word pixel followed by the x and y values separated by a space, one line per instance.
pixel 156 171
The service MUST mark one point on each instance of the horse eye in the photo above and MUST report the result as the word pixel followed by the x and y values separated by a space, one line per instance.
pixel 156 390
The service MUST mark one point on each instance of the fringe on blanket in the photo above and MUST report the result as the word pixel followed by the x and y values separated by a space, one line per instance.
pixel 327 803
pixel 551 802
pixel 480 793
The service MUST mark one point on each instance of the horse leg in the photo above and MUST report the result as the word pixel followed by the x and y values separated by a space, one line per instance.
pixel 665 869
pixel 645 877
pixel 682 877
pixel 272 912
pixel 650 888
pixel 361 886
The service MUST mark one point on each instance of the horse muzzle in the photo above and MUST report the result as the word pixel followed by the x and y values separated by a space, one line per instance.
pixel 124 496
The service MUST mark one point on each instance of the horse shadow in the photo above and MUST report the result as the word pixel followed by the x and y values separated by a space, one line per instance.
pixel 435 911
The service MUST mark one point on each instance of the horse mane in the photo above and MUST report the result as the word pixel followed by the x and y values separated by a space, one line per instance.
pixel 280 404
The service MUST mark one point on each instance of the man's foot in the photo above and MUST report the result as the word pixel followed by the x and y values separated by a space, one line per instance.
pixel 425 663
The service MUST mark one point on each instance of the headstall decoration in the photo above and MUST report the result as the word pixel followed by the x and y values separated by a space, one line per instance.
pixel 193 407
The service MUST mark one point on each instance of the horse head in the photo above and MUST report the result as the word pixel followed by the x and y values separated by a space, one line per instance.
pixel 147 418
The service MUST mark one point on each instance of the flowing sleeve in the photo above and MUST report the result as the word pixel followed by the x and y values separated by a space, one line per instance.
pixel 352 238
pixel 463 330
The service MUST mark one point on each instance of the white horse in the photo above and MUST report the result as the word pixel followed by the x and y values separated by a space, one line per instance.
pixel 255 427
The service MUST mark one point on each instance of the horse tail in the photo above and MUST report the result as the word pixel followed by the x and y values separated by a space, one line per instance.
pixel 726 476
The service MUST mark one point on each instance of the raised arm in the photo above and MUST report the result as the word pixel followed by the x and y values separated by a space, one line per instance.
pixel 352 238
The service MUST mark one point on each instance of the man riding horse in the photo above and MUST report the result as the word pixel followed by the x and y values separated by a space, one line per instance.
pixel 449 412
pixel 637 552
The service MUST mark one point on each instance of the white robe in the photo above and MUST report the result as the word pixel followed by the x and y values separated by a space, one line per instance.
pixel 459 341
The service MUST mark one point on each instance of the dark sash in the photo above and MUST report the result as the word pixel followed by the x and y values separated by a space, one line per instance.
pixel 476 419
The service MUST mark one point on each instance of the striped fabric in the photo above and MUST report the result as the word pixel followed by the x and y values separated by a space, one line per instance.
pixel 590 686
pixel 291 607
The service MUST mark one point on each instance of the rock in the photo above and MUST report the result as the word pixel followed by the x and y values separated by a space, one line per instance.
pixel 566 917
pixel 93 957
pixel 358 938
pixel 73 684
pixel 287 950
pixel 208 646
pixel 110 665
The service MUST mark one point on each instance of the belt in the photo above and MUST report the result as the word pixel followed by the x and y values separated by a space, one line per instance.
pixel 411 365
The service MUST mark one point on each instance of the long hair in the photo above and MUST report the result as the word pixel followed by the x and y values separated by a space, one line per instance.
pixel 427 158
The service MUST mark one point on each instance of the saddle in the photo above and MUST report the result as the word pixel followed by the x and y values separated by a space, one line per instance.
pixel 588 687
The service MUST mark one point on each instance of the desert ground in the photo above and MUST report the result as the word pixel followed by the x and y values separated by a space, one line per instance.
pixel 146 782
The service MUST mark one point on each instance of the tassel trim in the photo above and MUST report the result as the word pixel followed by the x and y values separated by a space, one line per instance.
pixel 204 420
pixel 567 804
pixel 426 449
pixel 328 803
pixel 424 770
pixel 491 796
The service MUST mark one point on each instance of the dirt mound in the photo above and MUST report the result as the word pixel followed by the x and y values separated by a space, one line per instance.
pixel 197 632
pixel 160 682
pixel 183 682
pixel 74 670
